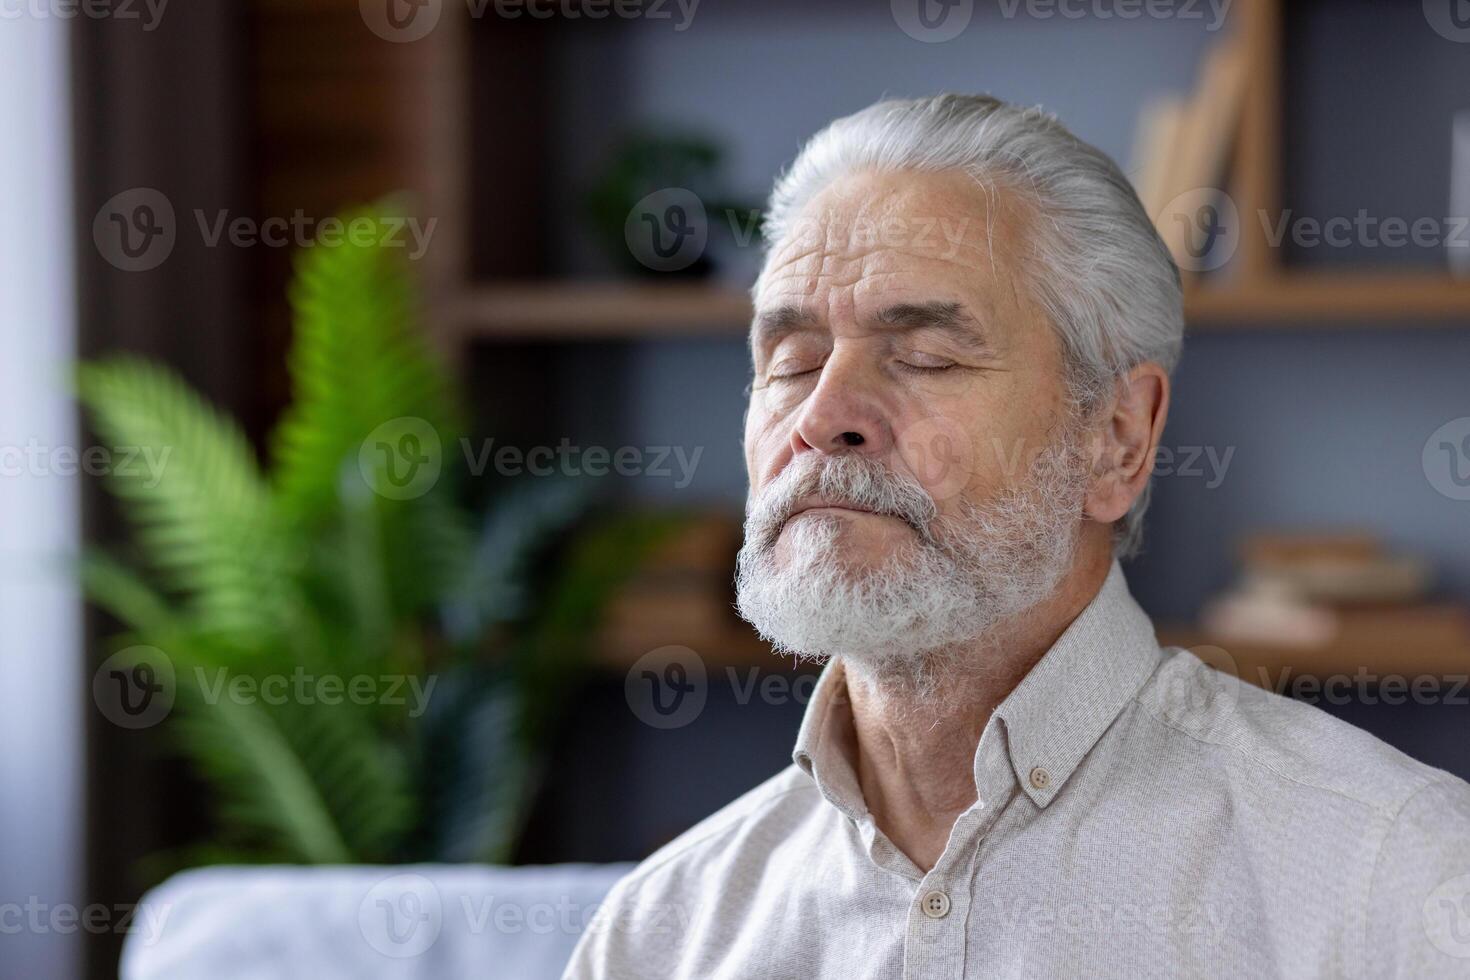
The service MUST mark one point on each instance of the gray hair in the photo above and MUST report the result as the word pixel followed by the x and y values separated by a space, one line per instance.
pixel 1102 275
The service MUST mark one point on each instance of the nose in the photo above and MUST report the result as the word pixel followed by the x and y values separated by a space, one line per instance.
pixel 842 413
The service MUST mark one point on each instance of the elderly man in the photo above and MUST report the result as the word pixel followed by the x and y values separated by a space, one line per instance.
pixel 963 337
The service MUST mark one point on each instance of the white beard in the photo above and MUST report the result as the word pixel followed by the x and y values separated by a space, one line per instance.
pixel 910 619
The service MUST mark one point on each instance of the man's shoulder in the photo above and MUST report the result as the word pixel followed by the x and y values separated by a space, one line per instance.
pixel 1298 746
pixel 720 844
pixel 644 927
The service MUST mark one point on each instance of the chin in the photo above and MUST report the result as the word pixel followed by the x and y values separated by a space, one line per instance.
pixel 855 542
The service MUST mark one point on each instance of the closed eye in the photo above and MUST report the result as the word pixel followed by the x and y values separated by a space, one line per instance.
pixel 793 368
pixel 926 368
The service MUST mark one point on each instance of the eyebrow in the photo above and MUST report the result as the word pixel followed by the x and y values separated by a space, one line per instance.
pixel 949 317
pixel 771 325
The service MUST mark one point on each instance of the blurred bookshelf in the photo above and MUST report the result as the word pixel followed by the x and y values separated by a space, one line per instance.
pixel 1428 644
pixel 1226 133
pixel 599 310
pixel 505 304
pixel 1328 603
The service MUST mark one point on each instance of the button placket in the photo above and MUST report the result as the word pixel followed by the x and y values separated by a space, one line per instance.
pixel 935 904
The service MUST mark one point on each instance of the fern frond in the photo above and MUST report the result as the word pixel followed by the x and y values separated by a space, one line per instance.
pixel 355 365
pixel 473 770
pixel 202 514
pixel 261 783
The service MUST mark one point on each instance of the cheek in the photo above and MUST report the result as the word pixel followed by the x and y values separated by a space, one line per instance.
pixel 764 444
pixel 940 452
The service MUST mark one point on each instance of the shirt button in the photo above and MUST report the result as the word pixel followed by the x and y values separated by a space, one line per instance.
pixel 935 905
pixel 1040 778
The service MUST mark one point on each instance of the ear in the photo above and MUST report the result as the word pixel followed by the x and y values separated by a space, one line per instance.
pixel 1127 440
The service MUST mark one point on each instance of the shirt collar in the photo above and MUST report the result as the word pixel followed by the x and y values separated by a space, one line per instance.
pixel 1051 720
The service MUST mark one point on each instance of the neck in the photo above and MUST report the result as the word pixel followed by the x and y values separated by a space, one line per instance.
pixel 916 750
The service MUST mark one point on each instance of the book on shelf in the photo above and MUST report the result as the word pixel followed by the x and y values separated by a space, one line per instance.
pixel 1345 590
pixel 1182 148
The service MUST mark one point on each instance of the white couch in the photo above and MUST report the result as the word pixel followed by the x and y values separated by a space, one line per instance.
pixel 416 921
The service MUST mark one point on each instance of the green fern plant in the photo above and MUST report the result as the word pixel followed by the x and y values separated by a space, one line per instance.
pixel 312 567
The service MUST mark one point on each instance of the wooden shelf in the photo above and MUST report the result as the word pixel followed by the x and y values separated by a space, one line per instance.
pixel 600 310
pixel 592 310
pixel 1377 656
pixel 1342 298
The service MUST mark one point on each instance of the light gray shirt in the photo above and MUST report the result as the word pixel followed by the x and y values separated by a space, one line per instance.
pixel 1139 814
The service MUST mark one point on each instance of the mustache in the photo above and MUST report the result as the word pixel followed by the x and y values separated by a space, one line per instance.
pixel 851 479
